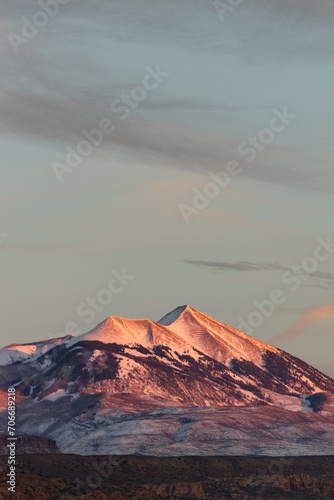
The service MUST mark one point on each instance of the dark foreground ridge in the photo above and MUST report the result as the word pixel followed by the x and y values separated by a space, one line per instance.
pixel 126 477
pixel 33 445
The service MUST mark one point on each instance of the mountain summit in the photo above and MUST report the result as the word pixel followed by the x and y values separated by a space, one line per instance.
pixel 186 362
pixel 215 339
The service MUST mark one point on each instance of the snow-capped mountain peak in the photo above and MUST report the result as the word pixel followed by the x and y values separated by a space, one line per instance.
pixel 132 331
pixel 220 341
pixel 173 315
pixel 181 329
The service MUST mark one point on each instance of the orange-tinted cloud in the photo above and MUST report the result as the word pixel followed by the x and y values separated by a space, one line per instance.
pixel 324 313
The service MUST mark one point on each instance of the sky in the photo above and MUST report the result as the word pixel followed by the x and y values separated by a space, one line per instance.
pixel 205 176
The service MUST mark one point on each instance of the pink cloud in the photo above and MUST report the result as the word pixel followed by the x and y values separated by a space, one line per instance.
pixel 308 318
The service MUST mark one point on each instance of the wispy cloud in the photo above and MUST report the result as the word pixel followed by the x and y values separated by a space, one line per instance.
pixel 327 278
pixel 324 314
pixel 193 104
pixel 57 113
pixel 271 26
pixel 39 102
pixel 238 266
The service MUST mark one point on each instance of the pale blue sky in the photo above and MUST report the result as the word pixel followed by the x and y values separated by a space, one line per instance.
pixel 120 207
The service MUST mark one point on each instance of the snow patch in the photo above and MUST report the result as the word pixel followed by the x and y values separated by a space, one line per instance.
pixel 126 366
pixel 60 393
pixel 95 354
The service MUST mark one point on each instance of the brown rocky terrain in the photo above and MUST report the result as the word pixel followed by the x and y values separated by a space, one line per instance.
pixel 31 445
pixel 65 477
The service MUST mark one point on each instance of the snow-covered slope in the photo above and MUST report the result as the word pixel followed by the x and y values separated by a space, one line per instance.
pixel 19 352
pixel 215 339
pixel 132 331
pixel 262 430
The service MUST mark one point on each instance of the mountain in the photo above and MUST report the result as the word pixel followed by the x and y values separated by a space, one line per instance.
pixel 184 384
